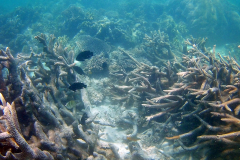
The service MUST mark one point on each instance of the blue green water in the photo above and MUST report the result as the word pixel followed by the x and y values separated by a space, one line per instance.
pixel 216 19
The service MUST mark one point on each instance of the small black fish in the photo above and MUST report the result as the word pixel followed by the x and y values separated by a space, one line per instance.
pixel 84 118
pixel 77 85
pixel 84 55
pixel 78 70
pixel 105 65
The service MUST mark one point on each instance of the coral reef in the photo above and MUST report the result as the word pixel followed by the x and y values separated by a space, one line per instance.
pixel 110 30
pixel 121 62
pixel 185 105
pixel 150 93
pixel 97 66
pixel 158 46
pixel 73 17
pixel 44 127
pixel 193 101
pixel 16 22
pixel 86 42
pixel 208 18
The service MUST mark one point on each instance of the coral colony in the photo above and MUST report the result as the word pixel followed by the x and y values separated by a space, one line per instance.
pixel 108 94
pixel 203 95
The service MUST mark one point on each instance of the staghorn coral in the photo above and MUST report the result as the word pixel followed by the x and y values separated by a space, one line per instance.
pixel 46 129
pixel 187 106
pixel 158 46
pixel 13 131
pixel 10 84
pixel 120 61
pixel 170 27
pixel 197 105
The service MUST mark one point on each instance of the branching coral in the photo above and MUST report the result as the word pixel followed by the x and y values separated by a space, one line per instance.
pixel 197 105
pixel 47 129
pixel 12 83
pixel 13 131
pixel 158 46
